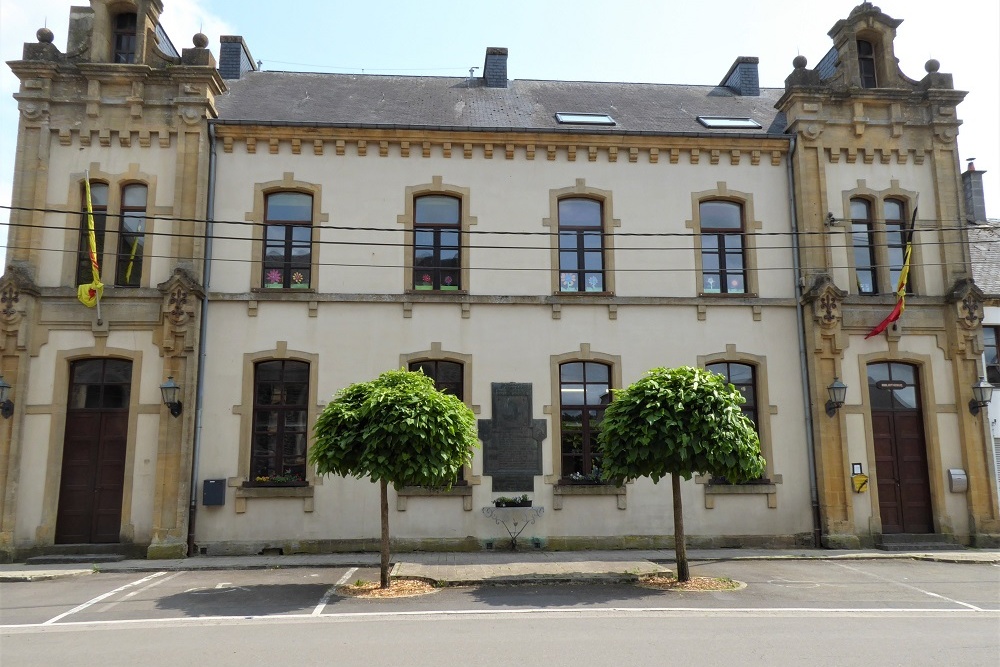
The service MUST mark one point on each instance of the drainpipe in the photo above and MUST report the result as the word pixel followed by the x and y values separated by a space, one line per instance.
pixel 202 337
pixel 803 359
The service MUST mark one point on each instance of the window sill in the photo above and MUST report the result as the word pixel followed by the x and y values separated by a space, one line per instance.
pixel 442 292
pixel 463 491
pixel 562 489
pixel 583 293
pixel 729 295
pixel 282 290
pixel 261 490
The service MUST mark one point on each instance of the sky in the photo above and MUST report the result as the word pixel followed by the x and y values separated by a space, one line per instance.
pixel 650 41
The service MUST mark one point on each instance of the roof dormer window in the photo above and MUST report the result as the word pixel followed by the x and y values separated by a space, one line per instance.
pixel 124 38
pixel 866 64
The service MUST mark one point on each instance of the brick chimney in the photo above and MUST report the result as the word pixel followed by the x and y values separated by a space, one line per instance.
pixel 975 198
pixel 234 57
pixel 495 68
pixel 742 77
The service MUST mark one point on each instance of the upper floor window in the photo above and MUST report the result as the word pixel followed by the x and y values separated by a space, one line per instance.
pixel 288 240
pixel 584 393
pixel 99 206
pixel 131 236
pixel 991 348
pixel 723 268
pixel 280 419
pixel 866 64
pixel 437 243
pixel 581 246
pixel 863 241
pixel 895 239
pixel 125 38
pixel 743 377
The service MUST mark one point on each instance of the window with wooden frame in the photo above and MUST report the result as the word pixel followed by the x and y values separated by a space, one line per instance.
pixel 723 261
pixel 287 241
pixel 437 243
pixel 581 245
pixel 125 38
pixel 99 207
pixel 866 64
pixel 131 236
pixel 448 377
pixel 863 242
pixel 280 422
pixel 895 240
pixel 743 377
pixel 584 393
pixel 991 350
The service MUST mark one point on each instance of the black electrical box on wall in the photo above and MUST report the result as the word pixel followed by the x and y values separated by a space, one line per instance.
pixel 213 492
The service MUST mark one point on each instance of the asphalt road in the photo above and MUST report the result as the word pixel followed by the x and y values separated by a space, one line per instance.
pixel 791 613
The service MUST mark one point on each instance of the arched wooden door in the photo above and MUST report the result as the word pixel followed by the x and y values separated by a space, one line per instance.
pixel 94 447
pixel 904 492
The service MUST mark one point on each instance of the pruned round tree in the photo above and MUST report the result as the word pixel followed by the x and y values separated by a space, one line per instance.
pixel 679 422
pixel 397 429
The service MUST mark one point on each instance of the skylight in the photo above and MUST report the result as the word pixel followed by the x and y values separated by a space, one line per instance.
pixel 728 122
pixel 584 118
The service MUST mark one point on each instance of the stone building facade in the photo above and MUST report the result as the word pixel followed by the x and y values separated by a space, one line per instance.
pixel 270 238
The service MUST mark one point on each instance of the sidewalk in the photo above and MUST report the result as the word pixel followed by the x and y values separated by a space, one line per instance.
pixel 489 567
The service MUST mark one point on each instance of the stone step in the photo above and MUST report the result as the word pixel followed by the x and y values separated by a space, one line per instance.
pixel 917 542
pixel 74 559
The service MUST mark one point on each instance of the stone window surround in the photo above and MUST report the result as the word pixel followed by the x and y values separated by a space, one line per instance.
pixel 750 225
pixel 608 224
pixel 876 199
pixel 245 411
pixel 437 186
pixel 116 183
pixel 463 491
pixel 764 412
pixel 288 183
pixel 560 490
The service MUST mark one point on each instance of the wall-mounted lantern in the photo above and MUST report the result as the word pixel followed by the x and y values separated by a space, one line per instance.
pixel 6 405
pixel 982 394
pixel 171 393
pixel 838 393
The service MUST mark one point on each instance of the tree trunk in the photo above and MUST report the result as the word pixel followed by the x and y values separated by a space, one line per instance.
pixel 683 573
pixel 384 564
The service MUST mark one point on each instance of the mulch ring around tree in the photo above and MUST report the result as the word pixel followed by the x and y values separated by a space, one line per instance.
pixel 668 582
pixel 398 588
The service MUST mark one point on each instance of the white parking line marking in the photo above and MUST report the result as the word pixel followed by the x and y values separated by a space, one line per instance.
pixel 912 588
pixel 112 605
pixel 102 597
pixel 746 612
pixel 329 593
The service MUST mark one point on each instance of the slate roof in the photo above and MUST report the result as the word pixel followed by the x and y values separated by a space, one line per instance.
pixel 449 103
pixel 984 246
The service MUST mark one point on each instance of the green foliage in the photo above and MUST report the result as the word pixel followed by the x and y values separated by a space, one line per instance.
pixel 396 428
pixel 679 421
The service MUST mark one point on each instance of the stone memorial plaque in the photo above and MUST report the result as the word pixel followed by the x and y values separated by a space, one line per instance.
pixel 512 440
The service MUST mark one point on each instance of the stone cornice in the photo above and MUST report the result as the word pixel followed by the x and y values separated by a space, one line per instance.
pixel 502 145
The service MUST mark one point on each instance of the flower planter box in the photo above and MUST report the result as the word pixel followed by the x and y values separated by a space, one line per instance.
pixel 255 484
pixel 517 503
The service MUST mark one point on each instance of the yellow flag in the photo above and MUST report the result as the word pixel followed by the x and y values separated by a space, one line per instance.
pixel 91 293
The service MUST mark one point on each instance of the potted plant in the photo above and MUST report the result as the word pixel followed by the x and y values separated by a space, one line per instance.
pixel 517 501
pixel 288 478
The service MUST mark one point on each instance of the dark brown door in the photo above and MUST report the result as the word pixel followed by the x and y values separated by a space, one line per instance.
pixel 93 465
pixel 904 495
